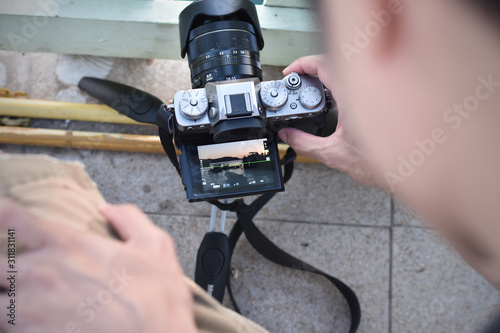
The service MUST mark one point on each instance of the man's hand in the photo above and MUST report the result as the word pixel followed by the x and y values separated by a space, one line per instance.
pixel 70 280
pixel 336 151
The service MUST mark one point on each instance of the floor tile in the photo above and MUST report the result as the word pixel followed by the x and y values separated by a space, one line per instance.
pixel 405 216
pixel 320 194
pixel 315 193
pixel 283 300
pixel 12 149
pixel 290 301
pixel 433 289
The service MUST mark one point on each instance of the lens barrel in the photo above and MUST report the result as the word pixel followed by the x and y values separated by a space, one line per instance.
pixel 222 51
pixel 222 40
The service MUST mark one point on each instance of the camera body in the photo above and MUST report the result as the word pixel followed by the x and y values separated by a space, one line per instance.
pixel 227 132
pixel 247 108
pixel 226 125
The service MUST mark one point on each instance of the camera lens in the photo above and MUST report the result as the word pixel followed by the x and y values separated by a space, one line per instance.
pixel 223 51
pixel 222 40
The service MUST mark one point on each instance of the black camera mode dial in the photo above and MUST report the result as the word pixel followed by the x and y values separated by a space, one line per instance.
pixel 274 95
pixel 193 104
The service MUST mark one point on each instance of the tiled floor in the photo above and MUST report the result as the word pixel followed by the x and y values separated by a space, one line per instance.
pixel 408 280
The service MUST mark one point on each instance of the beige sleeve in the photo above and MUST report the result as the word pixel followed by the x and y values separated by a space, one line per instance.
pixel 62 192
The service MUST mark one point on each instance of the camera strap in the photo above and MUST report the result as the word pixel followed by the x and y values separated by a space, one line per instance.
pixel 244 224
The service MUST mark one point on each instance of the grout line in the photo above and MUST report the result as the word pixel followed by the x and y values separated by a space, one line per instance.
pixel 331 224
pixel 390 264
pixel 413 227
pixel 283 221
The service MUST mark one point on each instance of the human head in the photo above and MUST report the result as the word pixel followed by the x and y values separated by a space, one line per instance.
pixel 406 73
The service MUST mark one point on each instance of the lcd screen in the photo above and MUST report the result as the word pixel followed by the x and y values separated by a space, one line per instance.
pixel 232 169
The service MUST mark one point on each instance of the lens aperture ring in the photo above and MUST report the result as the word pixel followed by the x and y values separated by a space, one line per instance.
pixel 224 58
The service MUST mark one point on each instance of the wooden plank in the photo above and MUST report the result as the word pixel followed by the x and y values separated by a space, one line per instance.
pixel 80 140
pixel 137 29
pixel 93 140
pixel 28 108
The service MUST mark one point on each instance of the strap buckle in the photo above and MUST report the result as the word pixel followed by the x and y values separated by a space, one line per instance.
pixel 165 118
pixel 171 118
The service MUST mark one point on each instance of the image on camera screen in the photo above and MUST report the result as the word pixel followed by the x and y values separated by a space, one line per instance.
pixel 233 169
pixel 235 165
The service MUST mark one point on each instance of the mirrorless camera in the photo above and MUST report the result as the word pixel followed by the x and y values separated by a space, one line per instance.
pixel 226 125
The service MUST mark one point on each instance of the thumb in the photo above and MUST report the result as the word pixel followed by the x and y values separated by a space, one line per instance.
pixel 132 225
pixel 304 143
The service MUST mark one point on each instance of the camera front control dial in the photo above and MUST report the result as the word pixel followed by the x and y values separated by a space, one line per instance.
pixel 193 104
pixel 274 95
pixel 310 97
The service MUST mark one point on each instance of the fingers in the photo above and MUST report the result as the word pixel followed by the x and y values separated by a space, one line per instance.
pixel 304 143
pixel 132 225
pixel 127 220
pixel 312 65
pixel 305 65
pixel 20 226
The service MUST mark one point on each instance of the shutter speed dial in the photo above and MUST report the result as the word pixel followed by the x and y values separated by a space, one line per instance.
pixel 193 104
pixel 310 97
pixel 274 95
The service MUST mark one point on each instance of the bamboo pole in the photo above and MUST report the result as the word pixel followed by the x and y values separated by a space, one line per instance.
pixel 93 140
pixel 28 108
pixel 80 139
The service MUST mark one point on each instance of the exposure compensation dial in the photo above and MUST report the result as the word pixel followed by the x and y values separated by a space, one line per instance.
pixel 310 97
pixel 193 104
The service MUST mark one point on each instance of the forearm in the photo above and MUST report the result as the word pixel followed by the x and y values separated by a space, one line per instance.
pixel 479 257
